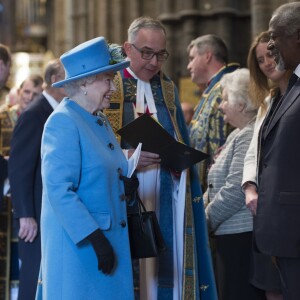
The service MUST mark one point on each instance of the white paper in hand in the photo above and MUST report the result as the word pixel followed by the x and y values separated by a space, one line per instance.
pixel 133 160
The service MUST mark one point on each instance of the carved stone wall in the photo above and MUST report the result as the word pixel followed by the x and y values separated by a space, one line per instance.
pixel 77 21
pixel 70 22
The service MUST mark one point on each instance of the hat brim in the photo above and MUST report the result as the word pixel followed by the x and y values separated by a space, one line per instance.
pixel 115 67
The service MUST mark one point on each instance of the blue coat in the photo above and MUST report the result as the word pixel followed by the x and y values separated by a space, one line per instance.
pixel 82 192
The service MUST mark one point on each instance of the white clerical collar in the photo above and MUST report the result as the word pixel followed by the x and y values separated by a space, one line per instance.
pixel 143 91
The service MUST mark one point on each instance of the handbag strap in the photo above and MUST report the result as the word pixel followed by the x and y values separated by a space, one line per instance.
pixel 141 208
pixel 140 203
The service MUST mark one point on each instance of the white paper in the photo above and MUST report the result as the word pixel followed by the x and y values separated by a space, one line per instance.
pixel 133 160
pixel 6 188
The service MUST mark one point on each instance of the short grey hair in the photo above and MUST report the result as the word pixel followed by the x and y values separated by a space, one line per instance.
pixel 236 85
pixel 288 17
pixel 213 43
pixel 144 23
pixel 73 87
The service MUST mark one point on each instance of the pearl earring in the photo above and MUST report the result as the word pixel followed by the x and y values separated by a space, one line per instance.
pixel 85 93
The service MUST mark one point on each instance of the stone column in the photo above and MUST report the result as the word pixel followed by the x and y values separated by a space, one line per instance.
pixel 261 11
pixel 116 21
pixel 61 27
pixel 7 23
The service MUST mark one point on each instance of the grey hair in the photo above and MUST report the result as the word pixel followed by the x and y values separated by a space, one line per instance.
pixel 142 23
pixel 236 84
pixel 74 87
pixel 213 43
pixel 288 17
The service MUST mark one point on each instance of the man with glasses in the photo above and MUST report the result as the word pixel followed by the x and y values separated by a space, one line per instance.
pixel 148 54
pixel 144 88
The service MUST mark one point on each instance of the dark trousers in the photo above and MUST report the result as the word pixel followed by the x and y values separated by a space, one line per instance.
pixel 30 256
pixel 289 269
pixel 233 258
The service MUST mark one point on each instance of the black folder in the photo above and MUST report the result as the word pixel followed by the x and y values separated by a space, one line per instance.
pixel 154 138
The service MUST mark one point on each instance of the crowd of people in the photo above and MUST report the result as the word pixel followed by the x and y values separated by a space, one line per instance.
pixel 229 223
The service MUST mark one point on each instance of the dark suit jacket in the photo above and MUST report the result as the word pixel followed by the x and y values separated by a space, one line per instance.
pixel 3 176
pixel 277 222
pixel 24 165
pixel 24 172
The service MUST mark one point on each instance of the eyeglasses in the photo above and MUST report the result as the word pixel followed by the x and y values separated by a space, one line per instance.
pixel 148 54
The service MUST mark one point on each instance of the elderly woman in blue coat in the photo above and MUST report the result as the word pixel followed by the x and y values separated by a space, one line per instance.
pixel 85 245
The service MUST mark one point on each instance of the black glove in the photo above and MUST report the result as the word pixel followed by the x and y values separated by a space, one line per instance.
pixel 103 250
pixel 131 185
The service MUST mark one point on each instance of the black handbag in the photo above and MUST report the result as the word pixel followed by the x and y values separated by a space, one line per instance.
pixel 145 236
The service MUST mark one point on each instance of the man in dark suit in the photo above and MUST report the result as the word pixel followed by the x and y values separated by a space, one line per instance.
pixel 277 221
pixel 3 176
pixel 24 171
pixel 5 65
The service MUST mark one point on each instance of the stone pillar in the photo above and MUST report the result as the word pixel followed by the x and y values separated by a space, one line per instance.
pixel 133 10
pixel 7 22
pixel 166 6
pixel 102 17
pixel 261 12
pixel 116 21
pixel 92 11
pixel 189 21
pixel 62 38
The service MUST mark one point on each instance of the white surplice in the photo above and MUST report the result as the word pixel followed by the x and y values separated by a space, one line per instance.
pixel 149 191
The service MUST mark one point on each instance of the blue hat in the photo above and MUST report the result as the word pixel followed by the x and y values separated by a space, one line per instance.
pixel 89 58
